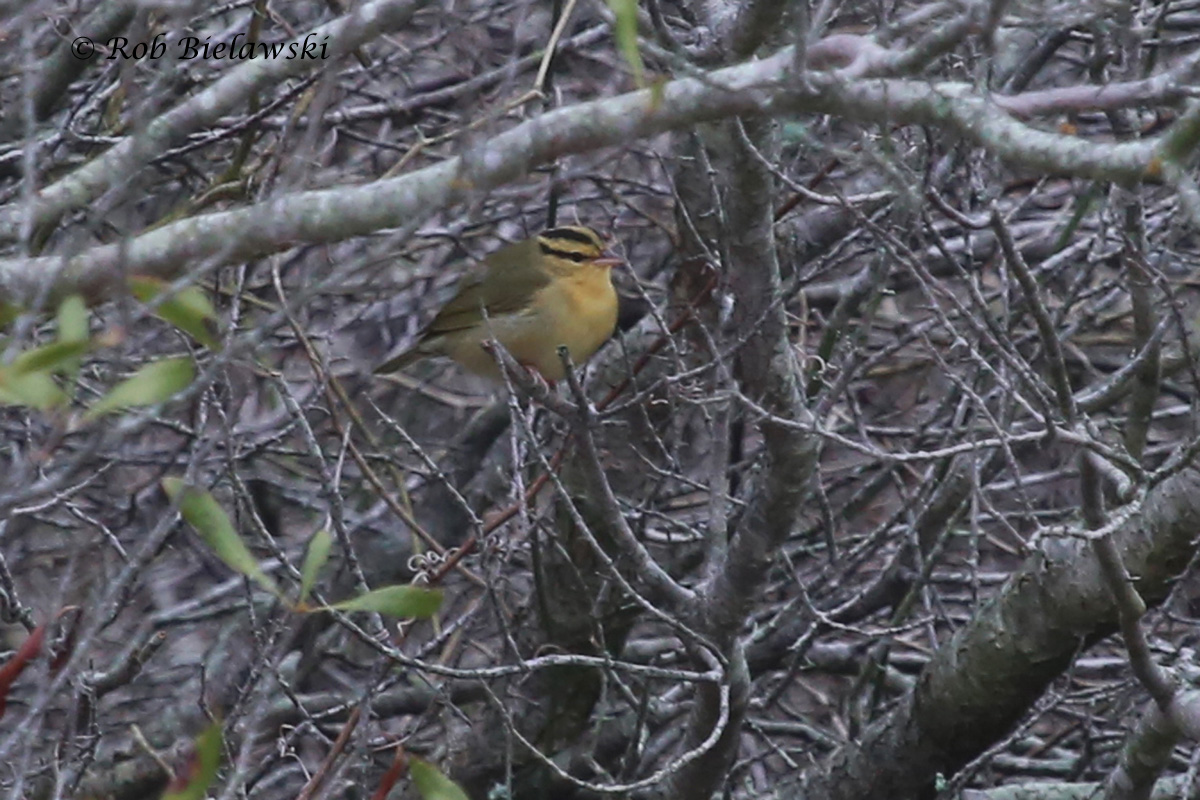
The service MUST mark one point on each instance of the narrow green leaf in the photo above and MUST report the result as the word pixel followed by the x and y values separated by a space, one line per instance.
pixel 188 309
pixel 72 319
pixel 35 389
pixel 396 601
pixel 194 781
pixel 192 313
pixel 48 357
pixel 204 513
pixel 658 91
pixel 153 383
pixel 145 288
pixel 1083 203
pixel 72 329
pixel 314 558
pixel 432 784
pixel 625 30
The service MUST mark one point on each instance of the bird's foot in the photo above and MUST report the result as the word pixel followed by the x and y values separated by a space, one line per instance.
pixel 536 376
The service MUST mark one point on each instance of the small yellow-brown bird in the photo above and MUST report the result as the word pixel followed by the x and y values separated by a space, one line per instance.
pixel 533 296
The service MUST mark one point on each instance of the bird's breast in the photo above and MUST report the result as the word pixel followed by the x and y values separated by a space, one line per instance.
pixel 579 311
pixel 590 304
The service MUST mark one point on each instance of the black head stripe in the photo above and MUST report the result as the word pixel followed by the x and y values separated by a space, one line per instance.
pixel 572 234
pixel 567 254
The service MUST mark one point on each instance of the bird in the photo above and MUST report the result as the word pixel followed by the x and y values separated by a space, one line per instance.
pixel 554 289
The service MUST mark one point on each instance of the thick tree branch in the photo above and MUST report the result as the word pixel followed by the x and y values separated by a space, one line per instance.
pixel 230 92
pixel 766 369
pixel 986 677
pixel 758 88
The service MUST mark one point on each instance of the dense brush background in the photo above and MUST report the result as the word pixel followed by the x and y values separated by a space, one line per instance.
pixel 872 384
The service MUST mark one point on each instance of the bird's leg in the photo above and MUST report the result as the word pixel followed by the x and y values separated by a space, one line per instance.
pixel 535 374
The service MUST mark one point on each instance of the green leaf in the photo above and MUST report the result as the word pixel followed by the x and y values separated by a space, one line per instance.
pixel 188 309
pixel 1083 203
pixel 204 513
pixel 396 601
pixel 432 784
pixel 72 319
pixel 201 769
pixel 658 91
pixel 314 558
pixel 153 383
pixel 48 357
pixel 72 329
pixel 625 30
pixel 35 389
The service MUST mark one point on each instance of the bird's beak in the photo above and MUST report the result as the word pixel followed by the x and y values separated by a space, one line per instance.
pixel 608 261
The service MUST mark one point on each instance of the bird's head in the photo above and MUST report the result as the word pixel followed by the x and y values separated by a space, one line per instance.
pixel 569 248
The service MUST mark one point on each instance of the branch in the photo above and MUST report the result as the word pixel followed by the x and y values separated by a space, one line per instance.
pixel 765 368
pixel 206 108
pixel 986 677
pixel 757 88
pixel 63 66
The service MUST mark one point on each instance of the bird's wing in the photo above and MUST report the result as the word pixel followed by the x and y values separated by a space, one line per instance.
pixel 401 361
pixel 512 276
